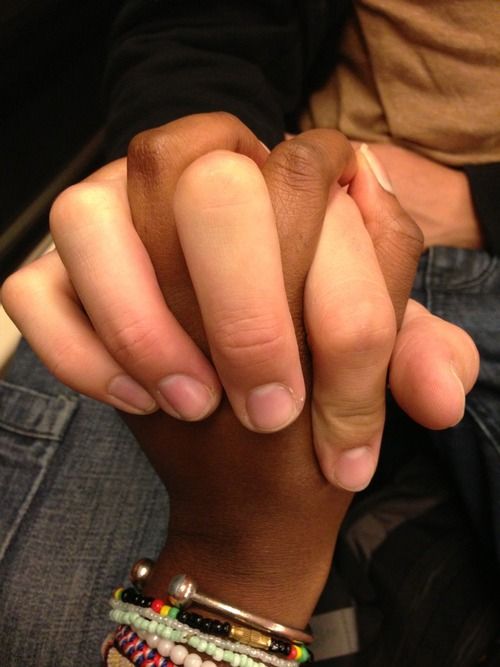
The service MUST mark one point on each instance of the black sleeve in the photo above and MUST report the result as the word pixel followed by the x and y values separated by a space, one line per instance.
pixel 484 181
pixel 252 58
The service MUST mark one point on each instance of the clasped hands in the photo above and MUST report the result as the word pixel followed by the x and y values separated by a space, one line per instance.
pixel 265 241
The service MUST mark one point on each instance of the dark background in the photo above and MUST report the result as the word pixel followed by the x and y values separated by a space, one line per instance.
pixel 52 56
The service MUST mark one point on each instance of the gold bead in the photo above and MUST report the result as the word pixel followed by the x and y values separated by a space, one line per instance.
pixel 140 572
pixel 250 637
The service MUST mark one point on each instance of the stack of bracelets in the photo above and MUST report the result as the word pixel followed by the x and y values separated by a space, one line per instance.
pixel 159 633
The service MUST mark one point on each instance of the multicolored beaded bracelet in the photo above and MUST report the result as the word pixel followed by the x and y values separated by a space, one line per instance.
pixel 222 651
pixel 248 636
pixel 237 655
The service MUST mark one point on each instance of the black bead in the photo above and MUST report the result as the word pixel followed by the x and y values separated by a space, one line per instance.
pixel 310 657
pixel 226 629
pixel 129 596
pixel 190 619
pixel 217 628
pixel 144 601
pixel 283 648
pixel 287 648
pixel 183 616
pixel 274 646
pixel 206 626
pixel 196 621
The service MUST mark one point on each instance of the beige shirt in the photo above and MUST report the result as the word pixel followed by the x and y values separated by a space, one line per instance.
pixel 424 74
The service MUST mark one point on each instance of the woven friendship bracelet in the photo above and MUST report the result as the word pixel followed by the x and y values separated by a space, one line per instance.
pixel 236 654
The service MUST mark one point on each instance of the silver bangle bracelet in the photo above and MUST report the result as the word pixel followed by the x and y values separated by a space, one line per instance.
pixel 183 592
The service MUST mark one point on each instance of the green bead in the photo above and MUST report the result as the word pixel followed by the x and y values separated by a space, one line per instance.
pixel 210 650
pixel 244 659
pixel 194 642
pixel 202 646
pixel 153 625
pixel 174 612
pixel 236 660
pixel 218 654
pixel 305 655
pixel 228 656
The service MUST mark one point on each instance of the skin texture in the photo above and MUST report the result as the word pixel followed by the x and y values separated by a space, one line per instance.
pixel 263 497
pixel 109 289
pixel 254 515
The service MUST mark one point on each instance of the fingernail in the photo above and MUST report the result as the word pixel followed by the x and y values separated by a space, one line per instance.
pixel 268 150
pixel 184 397
pixel 460 386
pixel 272 407
pixel 127 391
pixel 354 468
pixel 377 169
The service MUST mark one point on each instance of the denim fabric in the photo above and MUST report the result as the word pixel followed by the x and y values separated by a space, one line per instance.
pixel 80 501
pixel 80 504
pixel 463 286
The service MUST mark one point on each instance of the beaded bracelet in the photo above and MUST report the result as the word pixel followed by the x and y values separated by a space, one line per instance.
pixel 183 591
pixel 238 655
pixel 221 652
pixel 248 636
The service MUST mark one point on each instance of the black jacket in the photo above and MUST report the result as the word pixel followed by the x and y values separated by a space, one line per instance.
pixel 258 59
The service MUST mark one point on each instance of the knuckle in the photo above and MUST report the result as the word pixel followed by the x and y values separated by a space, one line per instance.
pixel 400 230
pixel 225 119
pixel 58 361
pixel 12 287
pixel 72 204
pixel 148 153
pixel 24 282
pixel 134 343
pixel 248 339
pixel 366 327
pixel 300 164
pixel 219 178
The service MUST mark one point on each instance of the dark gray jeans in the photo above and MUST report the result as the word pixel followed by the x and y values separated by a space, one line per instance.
pixel 80 502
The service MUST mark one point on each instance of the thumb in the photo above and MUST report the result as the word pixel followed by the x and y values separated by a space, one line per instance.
pixel 397 239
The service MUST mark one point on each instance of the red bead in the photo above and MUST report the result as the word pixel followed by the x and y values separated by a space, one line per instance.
pixel 293 653
pixel 156 605
pixel 170 664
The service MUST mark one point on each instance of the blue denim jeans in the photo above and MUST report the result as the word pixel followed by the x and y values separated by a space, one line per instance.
pixel 81 502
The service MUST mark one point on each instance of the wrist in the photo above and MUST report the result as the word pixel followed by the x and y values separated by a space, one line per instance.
pixel 280 581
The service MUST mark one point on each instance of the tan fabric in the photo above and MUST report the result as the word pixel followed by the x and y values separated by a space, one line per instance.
pixel 424 74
